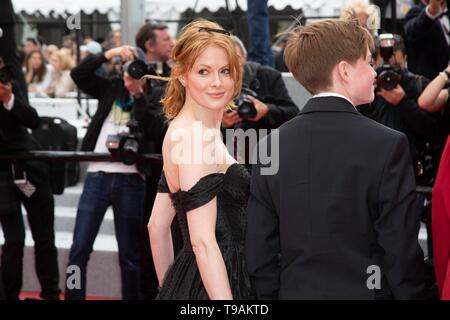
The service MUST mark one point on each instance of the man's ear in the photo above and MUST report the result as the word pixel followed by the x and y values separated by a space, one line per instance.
pixel 149 46
pixel 343 70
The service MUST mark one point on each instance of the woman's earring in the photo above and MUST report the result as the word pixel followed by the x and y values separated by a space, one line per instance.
pixel 183 83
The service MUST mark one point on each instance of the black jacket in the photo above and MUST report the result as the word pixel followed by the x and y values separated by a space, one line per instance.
pixel 106 90
pixel 428 51
pixel 14 123
pixel 14 138
pixel 341 201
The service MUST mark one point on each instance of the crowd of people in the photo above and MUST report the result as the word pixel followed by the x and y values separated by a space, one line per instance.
pixel 47 67
pixel 344 197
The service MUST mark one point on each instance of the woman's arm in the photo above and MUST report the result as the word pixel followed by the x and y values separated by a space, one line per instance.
pixel 202 230
pixel 434 98
pixel 160 234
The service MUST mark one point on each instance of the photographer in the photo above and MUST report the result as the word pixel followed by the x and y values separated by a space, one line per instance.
pixel 264 102
pixel 110 183
pixel 395 104
pixel 24 183
pixel 154 40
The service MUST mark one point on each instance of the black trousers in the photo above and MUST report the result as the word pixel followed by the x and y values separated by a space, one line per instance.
pixel 40 213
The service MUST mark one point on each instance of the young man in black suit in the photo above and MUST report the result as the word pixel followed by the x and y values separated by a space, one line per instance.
pixel 335 221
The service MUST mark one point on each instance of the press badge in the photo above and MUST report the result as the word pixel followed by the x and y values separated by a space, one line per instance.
pixel 21 181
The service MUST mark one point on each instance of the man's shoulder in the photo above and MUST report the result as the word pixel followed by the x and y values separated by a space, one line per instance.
pixel 414 11
pixel 361 125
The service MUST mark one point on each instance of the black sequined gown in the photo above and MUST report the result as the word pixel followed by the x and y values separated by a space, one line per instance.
pixel 183 279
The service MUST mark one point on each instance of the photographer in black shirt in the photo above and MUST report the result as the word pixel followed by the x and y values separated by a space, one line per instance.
pixel 395 103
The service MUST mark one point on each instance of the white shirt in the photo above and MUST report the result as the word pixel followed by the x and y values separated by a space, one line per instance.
pixel 110 127
pixel 332 94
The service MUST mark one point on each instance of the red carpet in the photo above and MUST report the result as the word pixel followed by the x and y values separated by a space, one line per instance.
pixel 35 296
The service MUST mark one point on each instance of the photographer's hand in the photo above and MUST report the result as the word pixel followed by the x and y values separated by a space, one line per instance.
pixel 135 87
pixel 261 108
pixel 394 96
pixel 230 118
pixel 124 52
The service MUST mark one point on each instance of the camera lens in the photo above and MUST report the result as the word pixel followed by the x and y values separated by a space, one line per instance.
pixel 246 109
pixel 136 68
pixel 388 79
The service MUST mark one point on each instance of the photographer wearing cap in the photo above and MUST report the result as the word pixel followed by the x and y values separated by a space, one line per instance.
pixel 264 102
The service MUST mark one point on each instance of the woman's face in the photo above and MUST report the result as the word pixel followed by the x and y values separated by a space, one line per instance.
pixel 54 60
pixel 36 61
pixel 209 83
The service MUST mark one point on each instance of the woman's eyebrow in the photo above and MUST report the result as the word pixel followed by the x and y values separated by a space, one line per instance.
pixel 208 66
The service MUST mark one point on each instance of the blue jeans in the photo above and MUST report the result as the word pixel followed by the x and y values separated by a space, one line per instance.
pixel 258 27
pixel 125 192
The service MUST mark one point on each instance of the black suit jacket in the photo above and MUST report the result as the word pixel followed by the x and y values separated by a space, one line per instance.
pixel 341 201
pixel 14 136
pixel 428 51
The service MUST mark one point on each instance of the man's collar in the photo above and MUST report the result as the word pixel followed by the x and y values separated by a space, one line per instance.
pixel 329 103
pixel 331 94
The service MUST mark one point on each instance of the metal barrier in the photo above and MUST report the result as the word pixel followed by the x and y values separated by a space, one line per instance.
pixel 155 159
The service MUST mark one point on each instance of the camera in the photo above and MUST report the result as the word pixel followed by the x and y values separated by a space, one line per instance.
pixel 388 76
pixel 125 145
pixel 245 108
pixel 139 68
pixel 5 74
